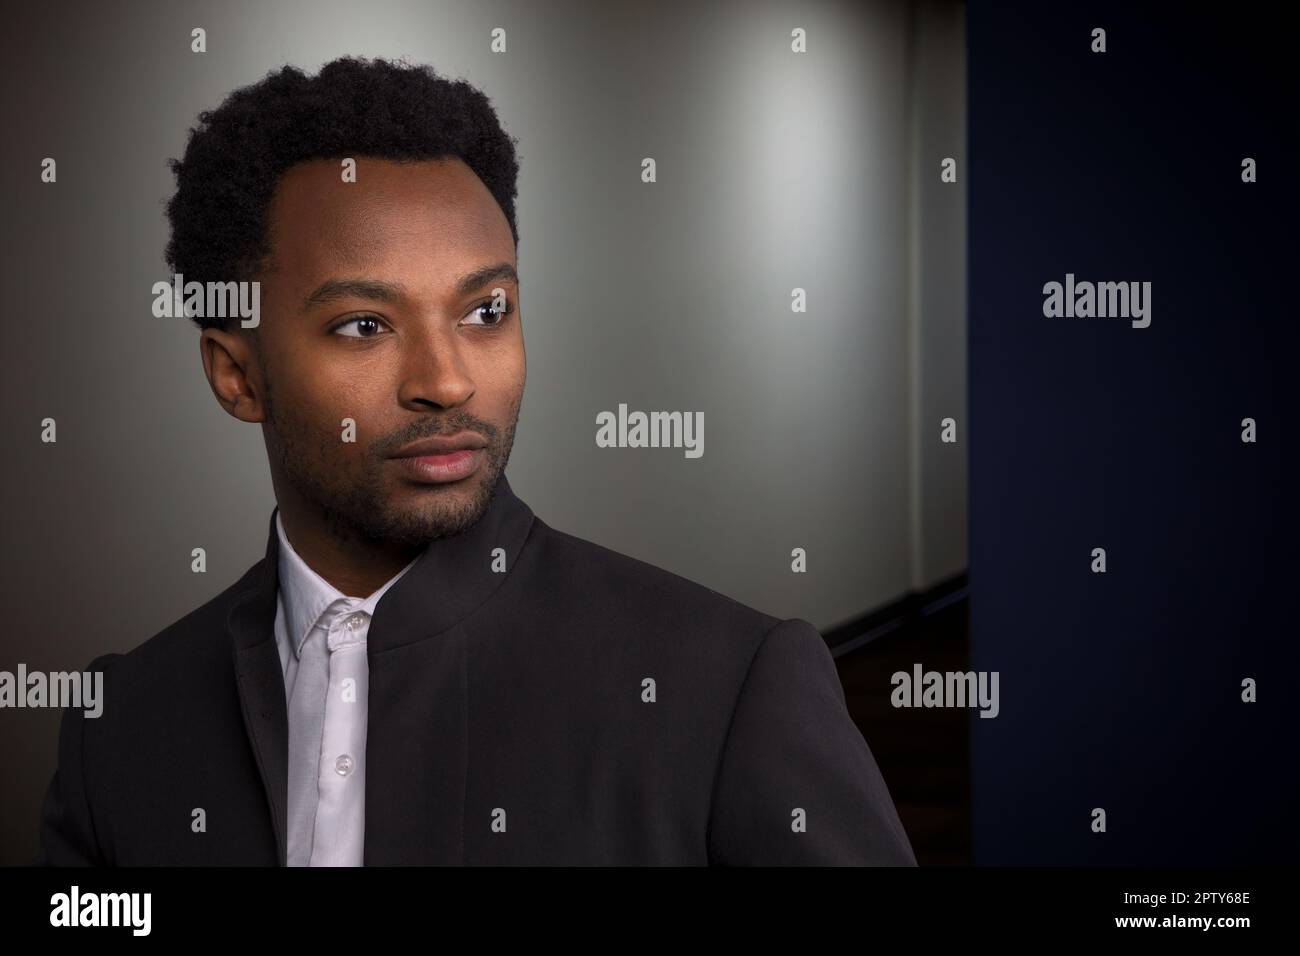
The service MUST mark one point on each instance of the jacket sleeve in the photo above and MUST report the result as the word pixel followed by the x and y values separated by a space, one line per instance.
pixel 67 829
pixel 796 782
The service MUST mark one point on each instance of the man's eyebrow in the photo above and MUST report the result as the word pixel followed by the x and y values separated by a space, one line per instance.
pixel 481 277
pixel 334 289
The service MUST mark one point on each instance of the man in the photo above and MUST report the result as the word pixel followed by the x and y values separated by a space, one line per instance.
pixel 421 670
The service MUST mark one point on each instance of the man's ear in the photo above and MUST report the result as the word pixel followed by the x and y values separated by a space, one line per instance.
pixel 233 371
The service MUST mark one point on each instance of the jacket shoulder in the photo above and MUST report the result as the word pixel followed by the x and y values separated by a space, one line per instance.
pixel 585 565
pixel 620 588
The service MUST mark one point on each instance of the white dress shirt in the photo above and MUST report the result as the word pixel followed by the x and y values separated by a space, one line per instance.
pixel 321 635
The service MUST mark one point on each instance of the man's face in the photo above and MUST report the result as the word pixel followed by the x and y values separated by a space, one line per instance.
pixel 378 307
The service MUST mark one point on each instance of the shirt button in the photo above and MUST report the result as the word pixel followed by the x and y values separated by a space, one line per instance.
pixel 355 622
pixel 343 765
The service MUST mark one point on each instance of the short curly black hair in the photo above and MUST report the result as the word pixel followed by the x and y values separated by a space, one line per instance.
pixel 352 107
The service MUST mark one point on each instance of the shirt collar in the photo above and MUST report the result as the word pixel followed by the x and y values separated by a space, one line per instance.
pixel 307 597
pixel 451 579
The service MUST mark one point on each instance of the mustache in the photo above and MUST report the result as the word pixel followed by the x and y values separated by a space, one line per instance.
pixel 437 428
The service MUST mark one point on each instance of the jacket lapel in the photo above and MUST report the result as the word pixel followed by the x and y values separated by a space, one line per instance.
pixel 417 717
pixel 417 734
pixel 261 682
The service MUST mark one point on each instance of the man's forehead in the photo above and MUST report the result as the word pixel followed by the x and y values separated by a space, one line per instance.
pixel 394 212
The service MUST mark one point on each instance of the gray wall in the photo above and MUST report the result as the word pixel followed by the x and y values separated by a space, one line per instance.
pixel 775 170
pixel 937 291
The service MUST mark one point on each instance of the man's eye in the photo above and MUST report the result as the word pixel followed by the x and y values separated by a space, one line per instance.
pixel 499 314
pixel 362 322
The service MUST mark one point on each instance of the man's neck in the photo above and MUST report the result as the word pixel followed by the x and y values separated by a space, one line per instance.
pixel 356 568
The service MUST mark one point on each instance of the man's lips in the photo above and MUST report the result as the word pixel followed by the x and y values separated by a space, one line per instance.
pixel 442 459
pixel 441 445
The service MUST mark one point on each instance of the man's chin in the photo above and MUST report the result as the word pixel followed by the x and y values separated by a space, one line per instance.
pixel 426 512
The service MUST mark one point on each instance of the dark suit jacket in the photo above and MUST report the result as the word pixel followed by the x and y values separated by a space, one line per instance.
pixel 518 697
